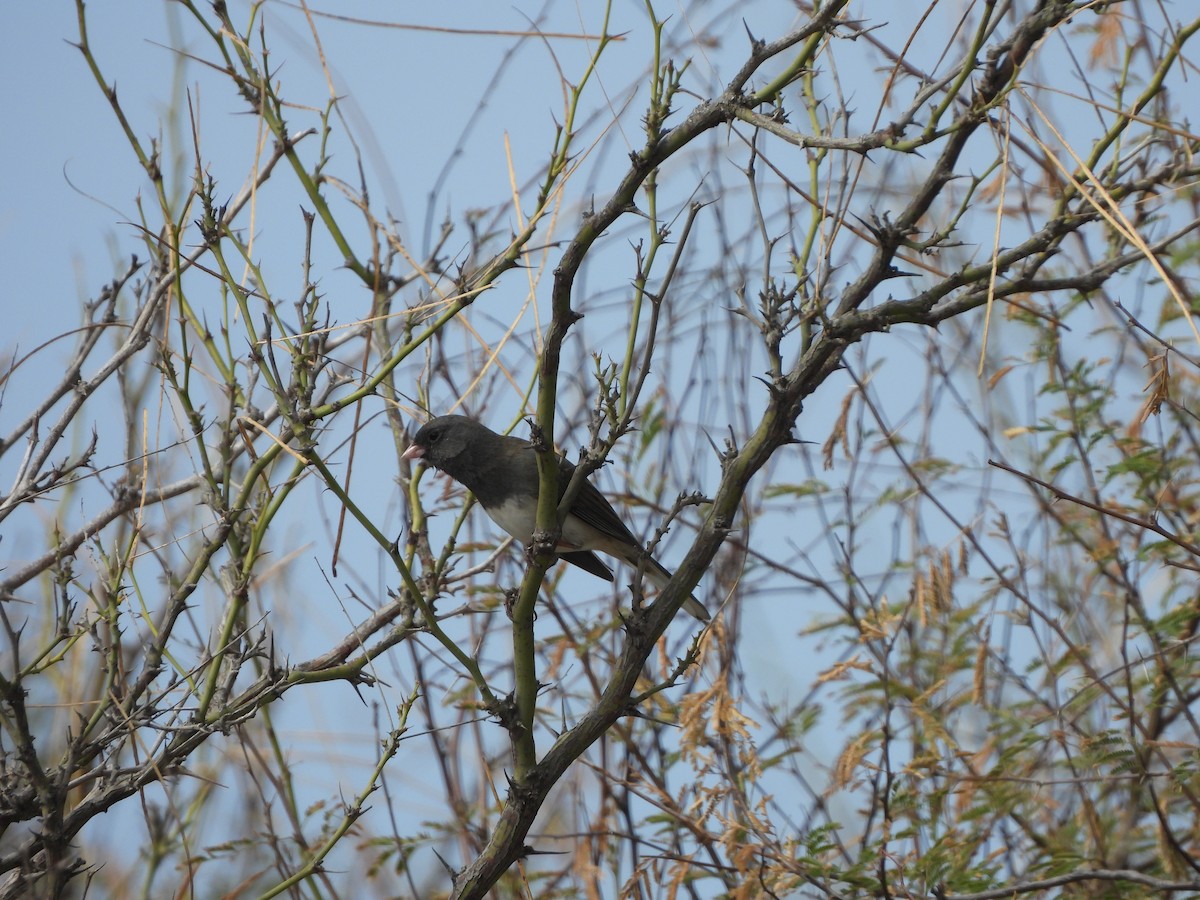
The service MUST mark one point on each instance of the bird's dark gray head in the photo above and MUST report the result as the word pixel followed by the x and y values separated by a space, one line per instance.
pixel 454 444
pixel 442 439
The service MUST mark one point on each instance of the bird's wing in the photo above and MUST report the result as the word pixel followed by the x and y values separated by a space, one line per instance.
pixel 591 508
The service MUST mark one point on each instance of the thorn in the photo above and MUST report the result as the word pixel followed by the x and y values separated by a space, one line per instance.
pixel 756 44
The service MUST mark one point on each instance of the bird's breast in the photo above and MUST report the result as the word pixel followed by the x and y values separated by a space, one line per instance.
pixel 519 520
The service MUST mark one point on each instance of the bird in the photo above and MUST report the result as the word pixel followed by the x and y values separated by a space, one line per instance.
pixel 501 471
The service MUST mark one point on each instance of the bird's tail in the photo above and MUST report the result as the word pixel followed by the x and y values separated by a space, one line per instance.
pixel 658 576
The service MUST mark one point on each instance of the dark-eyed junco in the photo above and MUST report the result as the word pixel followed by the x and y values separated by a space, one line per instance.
pixel 502 474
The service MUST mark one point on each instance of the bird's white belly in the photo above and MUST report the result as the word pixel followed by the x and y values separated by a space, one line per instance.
pixel 519 520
